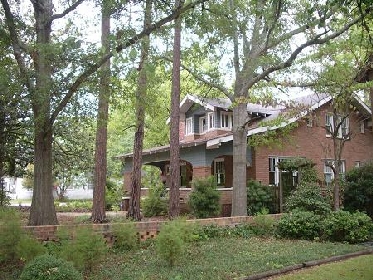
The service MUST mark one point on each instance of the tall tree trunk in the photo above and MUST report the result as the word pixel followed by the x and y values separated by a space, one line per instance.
pixel 134 203
pixel 174 203
pixel 239 195
pixel 42 208
pixel 100 171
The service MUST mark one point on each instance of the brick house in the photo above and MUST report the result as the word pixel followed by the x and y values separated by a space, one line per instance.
pixel 206 142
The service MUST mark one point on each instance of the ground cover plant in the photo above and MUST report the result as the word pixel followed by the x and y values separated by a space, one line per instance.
pixel 358 268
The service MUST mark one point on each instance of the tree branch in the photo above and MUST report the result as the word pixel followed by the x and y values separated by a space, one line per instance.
pixel 317 40
pixel 65 12
pixel 120 47
pixel 203 80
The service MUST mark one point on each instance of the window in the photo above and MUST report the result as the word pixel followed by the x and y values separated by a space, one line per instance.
pixel 290 179
pixel 362 127
pixel 309 122
pixel 226 120
pixel 219 171
pixel 188 126
pixel 202 124
pixel 357 164
pixel 343 123
pixel 328 170
pixel 211 120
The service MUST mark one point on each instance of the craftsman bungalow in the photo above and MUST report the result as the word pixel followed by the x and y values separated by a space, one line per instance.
pixel 206 142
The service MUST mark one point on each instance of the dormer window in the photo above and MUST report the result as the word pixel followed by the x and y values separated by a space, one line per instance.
pixel 188 126
pixel 202 124
pixel 343 129
pixel 226 120
pixel 211 120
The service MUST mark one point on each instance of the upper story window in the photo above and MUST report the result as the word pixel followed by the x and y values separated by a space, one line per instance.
pixel 226 120
pixel 343 123
pixel 211 120
pixel 202 124
pixel 188 126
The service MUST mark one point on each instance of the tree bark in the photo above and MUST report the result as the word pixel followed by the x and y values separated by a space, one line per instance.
pixel 100 172
pixel 42 208
pixel 174 203
pixel 134 203
pixel 239 195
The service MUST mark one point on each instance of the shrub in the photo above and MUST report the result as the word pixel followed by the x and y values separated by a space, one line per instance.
pixel 204 198
pixel 155 204
pixel 85 250
pixel 308 197
pixel 10 234
pixel 171 241
pixel 299 225
pixel 28 248
pixel 263 224
pixel 47 267
pixel 126 237
pixel 343 226
pixel 258 197
pixel 358 193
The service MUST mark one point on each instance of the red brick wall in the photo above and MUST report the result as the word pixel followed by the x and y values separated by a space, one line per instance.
pixel 312 143
pixel 201 171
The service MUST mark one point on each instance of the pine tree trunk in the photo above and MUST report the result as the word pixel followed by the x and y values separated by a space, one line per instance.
pixel 239 195
pixel 134 203
pixel 42 208
pixel 100 172
pixel 174 203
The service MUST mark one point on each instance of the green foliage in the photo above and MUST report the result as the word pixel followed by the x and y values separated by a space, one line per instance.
pixel 28 248
pixel 308 197
pixel 204 198
pixel 113 195
pixel 259 197
pixel 263 224
pixel 358 193
pixel 85 250
pixel 155 204
pixel 10 234
pixel 305 167
pixel 171 241
pixel 48 267
pixel 343 226
pixel 126 237
pixel 299 225
pixel 81 205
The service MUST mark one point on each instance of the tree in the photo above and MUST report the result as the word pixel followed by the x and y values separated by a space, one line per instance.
pixel 174 204
pixel 134 203
pixel 100 171
pixel 52 74
pixel 265 38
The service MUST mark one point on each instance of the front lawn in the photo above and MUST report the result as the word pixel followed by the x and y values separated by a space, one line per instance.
pixel 220 258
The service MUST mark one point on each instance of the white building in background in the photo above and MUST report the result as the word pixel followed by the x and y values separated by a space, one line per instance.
pixel 17 191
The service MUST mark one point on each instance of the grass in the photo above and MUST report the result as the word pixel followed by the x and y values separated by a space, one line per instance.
pixel 359 268
pixel 221 258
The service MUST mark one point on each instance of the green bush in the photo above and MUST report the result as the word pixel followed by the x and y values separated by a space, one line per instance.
pixel 204 200
pixel 155 204
pixel 125 236
pixel 258 197
pixel 28 248
pixel 358 193
pixel 85 250
pixel 48 267
pixel 308 197
pixel 171 241
pixel 343 226
pixel 299 225
pixel 10 234
pixel 263 224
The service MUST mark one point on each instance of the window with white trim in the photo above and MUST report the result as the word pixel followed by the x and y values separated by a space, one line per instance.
pixel 226 120
pixel 362 127
pixel 357 164
pixel 188 126
pixel 219 171
pixel 211 120
pixel 274 171
pixel 344 127
pixel 202 124
pixel 328 170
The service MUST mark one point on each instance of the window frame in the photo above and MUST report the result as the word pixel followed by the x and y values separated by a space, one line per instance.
pixel 210 120
pixel 343 130
pixel 219 162
pixel 329 170
pixel 202 124
pixel 223 121
pixel 189 126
